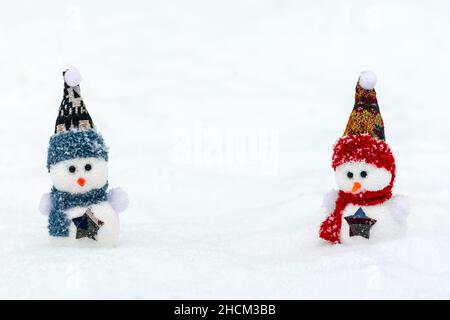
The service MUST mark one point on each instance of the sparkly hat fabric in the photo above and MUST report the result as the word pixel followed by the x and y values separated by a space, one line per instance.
pixel 365 117
pixel 364 138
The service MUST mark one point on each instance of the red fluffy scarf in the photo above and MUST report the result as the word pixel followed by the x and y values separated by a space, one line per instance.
pixel 330 229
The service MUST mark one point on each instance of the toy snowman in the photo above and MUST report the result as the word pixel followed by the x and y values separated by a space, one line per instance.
pixel 364 208
pixel 80 209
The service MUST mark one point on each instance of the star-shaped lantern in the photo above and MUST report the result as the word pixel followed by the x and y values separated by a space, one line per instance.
pixel 360 224
pixel 87 225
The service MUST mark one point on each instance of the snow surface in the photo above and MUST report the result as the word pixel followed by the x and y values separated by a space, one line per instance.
pixel 221 117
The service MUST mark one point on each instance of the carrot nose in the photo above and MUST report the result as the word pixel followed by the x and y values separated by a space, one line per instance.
pixel 356 187
pixel 81 181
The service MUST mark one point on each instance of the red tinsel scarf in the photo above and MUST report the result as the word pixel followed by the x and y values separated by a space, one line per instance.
pixel 330 229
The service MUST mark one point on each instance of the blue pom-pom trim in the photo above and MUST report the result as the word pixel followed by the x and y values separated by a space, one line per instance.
pixel 76 144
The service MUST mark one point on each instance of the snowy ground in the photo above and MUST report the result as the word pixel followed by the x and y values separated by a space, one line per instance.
pixel 221 117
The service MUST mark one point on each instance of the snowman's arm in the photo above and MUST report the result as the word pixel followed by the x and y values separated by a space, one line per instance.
pixel 400 207
pixel 45 204
pixel 329 200
pixel 118 199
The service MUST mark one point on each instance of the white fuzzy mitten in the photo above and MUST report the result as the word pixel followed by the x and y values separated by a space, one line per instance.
pixel 118 199
pixel 400 207
pixel 45 205
pixel 329 200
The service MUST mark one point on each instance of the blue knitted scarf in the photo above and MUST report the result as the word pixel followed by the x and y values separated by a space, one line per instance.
pixel 58 222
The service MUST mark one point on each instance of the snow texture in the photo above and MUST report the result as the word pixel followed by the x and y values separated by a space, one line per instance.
pixel 221 117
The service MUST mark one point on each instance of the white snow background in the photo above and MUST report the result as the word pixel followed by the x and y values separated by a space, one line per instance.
pixel 220 117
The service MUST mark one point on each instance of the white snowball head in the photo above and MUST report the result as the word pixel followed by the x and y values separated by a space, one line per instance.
pixel 72 76
pixel 367 80
pixel 358 177
pixel 79 175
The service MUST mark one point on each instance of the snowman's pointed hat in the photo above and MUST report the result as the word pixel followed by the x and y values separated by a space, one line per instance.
pixel 72 113
pixel 75 135
pixel 366 117
pixel 363 138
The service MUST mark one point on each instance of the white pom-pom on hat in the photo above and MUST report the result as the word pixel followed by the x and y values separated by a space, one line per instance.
pixel 367 79
pixel 72 77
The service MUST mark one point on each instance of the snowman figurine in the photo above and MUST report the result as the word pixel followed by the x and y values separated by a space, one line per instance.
pixel 364 208
pixel 80 209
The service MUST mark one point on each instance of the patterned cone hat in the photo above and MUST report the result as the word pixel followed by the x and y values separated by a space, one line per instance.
pixel 363 138
pixel 75 135
pixel 72 113
pixel 366 117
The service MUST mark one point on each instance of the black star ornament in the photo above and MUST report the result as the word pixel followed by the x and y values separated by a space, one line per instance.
pixel 360 224
pixel 87 225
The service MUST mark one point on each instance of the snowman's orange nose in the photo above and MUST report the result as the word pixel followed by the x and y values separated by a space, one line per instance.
pixel 81 181
pixel 356 187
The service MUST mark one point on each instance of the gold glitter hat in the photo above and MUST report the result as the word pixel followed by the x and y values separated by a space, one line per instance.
pixel 366 117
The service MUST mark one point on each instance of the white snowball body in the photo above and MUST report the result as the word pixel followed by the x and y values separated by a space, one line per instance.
pixel 78 176
pixel 367 79
pixel 387 226
pixel 390 221
pixel 108 234
pixel 72 77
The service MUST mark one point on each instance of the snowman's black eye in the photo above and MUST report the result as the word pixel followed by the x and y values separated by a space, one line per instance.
pixel 87 167
pixel 363 174
pixel 72 169
pixel 350 175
